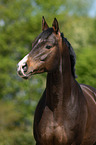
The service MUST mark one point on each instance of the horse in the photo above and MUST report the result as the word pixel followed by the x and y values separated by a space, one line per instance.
pixel 66 112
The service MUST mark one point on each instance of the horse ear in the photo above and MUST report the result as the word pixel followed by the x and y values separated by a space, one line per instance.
pixel 55 26
pixel 44 24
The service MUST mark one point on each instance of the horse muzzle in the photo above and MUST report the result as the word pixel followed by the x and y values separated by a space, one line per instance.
pixel 23 67
pixel 21 71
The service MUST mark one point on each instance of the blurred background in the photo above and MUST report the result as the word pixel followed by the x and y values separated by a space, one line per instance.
pixel 20 23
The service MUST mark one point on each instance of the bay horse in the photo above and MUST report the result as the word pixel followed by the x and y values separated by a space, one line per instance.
pixel 66 112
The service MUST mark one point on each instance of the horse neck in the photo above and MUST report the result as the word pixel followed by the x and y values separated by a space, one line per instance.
pixel 58 89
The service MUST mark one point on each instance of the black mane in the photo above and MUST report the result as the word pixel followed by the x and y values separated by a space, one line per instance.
pixel 72 55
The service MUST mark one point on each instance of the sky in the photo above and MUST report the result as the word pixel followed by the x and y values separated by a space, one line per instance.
pixel 92 11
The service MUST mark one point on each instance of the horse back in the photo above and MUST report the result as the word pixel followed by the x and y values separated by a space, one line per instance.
pixel 90 96
pixel 89 90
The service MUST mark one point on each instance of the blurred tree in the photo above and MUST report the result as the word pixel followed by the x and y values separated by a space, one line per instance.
pixel 92 35
pixel 85 67
pixel 12 128
pixel 79 8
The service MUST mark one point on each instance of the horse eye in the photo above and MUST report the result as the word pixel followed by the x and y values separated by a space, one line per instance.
pixel 48 46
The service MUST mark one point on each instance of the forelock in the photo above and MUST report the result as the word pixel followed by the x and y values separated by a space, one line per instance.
pixel 45 34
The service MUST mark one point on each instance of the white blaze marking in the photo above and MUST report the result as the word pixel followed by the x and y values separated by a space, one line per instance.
pixel 39 40
pixel 23 61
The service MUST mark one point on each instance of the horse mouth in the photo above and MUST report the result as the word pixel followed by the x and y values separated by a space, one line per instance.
pixel 27 76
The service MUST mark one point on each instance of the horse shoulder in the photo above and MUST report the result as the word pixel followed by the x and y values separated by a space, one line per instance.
pixel 38 113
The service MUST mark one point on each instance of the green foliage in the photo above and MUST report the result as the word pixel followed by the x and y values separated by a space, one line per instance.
pixel 78 7
pixel 78 31
pixel 13 131
pixel 16 137
pixel 86 70
pixel 20 23
pixel 92 35
pixel 8 116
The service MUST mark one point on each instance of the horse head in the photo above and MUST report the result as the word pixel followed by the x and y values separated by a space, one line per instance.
pixel 44 56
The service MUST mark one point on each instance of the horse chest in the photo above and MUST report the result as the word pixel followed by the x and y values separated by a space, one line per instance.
pixel 50 131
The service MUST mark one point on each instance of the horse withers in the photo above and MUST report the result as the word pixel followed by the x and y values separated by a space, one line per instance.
pixel 66 112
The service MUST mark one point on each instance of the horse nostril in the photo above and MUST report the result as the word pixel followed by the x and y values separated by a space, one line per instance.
pixel 25 67
pixel 19 72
